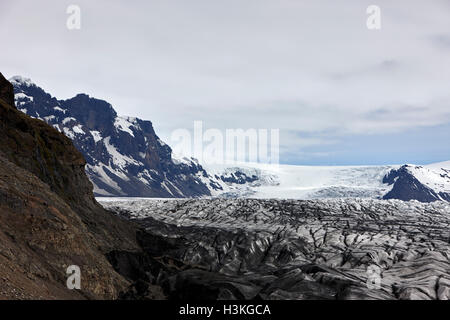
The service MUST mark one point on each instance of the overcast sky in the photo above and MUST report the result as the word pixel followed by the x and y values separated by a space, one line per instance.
pixel 338 92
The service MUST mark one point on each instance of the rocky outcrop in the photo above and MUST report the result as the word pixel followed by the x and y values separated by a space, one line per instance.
pixel 49 218
pixel 41 235
pixel 6 91
pixel 238 177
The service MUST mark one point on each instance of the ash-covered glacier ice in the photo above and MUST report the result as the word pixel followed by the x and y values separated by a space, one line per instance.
pixel 295 249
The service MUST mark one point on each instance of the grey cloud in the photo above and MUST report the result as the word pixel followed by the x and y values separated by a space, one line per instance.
pixel 441 41
pixel 310 66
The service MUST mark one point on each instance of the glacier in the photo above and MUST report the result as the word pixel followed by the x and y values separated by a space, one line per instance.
pixel 297 249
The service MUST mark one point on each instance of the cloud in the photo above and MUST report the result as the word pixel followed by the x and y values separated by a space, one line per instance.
pixel 301 66
pixel 441 41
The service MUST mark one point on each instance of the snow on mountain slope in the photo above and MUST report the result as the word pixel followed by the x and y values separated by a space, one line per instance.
pixel 433 176
pixel 423 183
pixel 439 165
pixel 126 158
pixel 124 155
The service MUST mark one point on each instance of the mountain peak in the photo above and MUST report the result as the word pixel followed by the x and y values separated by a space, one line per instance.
pixel 124 155
pixel 82 96
pixel 19 80
pixel 90 110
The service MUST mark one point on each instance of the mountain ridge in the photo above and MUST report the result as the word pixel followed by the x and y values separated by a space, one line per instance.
pixel 49 216
pixel 126 158
pixel 124 155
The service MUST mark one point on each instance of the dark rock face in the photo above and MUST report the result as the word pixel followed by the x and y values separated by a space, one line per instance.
pixel 238 177
pixel 291 249
pixel 49 217
pixel 406 187
pixel 6 91
pixel 124 155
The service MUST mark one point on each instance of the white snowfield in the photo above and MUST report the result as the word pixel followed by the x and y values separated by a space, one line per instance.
pixel 322 182
pixel 435 176
pixel 312 182
pixel 302 182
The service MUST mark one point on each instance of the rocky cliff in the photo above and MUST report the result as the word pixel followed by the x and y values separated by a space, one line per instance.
pixel 49 218
pixel 124 155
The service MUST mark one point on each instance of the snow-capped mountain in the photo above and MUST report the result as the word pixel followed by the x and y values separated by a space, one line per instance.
pixel 126 158
pixel 423 183
pixel 309 182
pixel 124 155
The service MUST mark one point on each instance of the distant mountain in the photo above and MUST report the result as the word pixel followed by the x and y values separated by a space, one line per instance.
pixel 124 155
pixel 421 183
pixel 309 182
